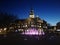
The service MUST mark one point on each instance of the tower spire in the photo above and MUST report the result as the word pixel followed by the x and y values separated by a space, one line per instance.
pixel 31 13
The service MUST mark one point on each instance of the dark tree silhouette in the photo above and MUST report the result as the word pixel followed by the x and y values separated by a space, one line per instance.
pixel 58 25
pixel 6 19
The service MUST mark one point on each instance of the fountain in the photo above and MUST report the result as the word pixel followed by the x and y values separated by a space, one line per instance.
pixel 33 31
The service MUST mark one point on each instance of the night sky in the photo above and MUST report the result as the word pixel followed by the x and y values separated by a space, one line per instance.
pixel 49 10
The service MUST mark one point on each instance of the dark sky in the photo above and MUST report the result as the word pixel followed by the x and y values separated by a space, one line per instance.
pixel 48 10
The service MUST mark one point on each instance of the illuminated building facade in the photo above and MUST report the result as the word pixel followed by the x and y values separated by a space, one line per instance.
pixel 31 22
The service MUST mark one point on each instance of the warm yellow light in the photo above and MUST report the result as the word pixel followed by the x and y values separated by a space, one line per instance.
pixel 11 28
pixel 0 30
pixel 31 16
pixel 5 28
pixel 40 26
pixel 27 30
pixel 26 25
pixel 20 29
pixel 32 25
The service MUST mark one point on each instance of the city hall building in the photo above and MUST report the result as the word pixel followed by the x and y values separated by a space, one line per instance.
pixel 31 22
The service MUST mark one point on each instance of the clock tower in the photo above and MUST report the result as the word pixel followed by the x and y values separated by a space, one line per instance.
pixel 31 15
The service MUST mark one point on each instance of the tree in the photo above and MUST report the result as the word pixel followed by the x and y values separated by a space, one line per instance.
pixel 58 24
pixel 6 19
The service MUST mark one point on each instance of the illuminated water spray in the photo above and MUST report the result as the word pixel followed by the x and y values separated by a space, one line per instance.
pixel 33 31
